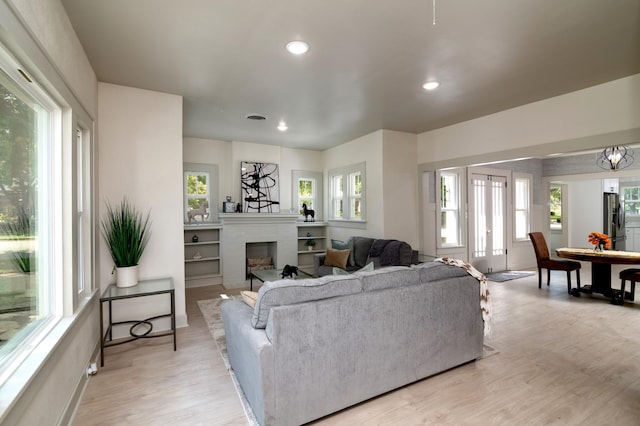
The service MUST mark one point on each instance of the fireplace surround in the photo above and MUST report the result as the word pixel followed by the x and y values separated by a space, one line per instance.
pixel 277 230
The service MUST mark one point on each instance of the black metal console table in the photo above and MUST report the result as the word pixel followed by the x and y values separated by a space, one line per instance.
pixel 142 289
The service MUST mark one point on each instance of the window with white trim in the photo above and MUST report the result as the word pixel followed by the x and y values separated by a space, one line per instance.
pixel 307 190
pixel 450 209
pixel 522 206
pixel 348 193
pixel 47 243
pixel 30 172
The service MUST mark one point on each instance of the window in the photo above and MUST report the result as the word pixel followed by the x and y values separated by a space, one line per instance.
pixel 200 192
pixel 522 206
pixel 450 226
pixel 348 192
pixel 555 207
pixel 631 200
pixel 307 189
pixel 30 194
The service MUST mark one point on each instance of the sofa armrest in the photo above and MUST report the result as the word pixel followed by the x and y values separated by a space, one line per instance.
pixel 318 261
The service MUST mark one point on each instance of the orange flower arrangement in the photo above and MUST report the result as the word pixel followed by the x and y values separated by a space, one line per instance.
pixel 600 239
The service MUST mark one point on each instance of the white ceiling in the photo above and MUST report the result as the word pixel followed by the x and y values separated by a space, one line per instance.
pixel 367 63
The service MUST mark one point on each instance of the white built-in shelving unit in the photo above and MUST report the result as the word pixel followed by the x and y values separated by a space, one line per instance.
pixel 316 231
pixel 202 265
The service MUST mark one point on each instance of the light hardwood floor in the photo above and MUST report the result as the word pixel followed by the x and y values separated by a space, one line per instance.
pixel 562 360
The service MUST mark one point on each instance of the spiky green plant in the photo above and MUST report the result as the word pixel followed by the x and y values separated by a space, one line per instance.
pixel 19 229
pixel 126 232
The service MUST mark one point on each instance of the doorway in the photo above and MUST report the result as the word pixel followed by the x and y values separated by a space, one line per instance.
pixel 488 221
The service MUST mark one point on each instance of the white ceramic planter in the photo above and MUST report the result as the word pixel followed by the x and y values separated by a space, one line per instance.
pixel 127 276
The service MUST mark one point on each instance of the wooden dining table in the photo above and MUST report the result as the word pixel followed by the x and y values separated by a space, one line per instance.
pixel 601 262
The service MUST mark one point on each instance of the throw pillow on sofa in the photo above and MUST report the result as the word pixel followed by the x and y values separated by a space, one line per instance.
pixel 337 258
pixel 342 245
pixel 249 297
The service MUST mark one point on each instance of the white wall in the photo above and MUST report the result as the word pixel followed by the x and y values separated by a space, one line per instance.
pixel 576 121
pixel 584 210
pixel 229 155
pixel 400 186
pixel 140 156
pixel 366 149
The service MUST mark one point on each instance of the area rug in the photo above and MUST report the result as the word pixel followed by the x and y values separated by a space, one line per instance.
pixel 211 312
pixel 210 309
pixel 500 277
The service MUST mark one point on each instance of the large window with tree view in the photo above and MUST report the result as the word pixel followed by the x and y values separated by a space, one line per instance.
pixel 25 193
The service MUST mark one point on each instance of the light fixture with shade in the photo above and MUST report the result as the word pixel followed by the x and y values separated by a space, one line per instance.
pixel 615 158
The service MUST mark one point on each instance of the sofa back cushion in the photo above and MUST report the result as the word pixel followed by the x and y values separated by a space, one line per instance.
pixel 289 292
pixel 436 271
pixel 361 247
pixel 390 277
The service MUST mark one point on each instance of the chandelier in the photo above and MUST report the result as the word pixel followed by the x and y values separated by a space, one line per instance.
pixel 615 158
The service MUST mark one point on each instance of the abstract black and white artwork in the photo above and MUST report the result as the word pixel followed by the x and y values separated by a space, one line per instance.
pixel 260 187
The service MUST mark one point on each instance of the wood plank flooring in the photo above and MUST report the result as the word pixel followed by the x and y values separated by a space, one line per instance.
pixel 562 360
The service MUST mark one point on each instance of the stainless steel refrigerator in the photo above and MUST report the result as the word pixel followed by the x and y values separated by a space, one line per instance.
pixel 613 215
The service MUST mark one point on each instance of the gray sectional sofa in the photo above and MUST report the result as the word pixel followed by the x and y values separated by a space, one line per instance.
pixel 312 347
pixel 381 252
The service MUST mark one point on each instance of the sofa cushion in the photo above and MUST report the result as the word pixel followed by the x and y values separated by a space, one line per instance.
pixel 435 271
pixel 289 292
pixel 337 258
pixel 366 268
pixel 389 277
pixel 342 245
pixel 361 247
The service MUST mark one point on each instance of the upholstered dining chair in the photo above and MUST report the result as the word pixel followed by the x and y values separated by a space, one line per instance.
pixel 545 261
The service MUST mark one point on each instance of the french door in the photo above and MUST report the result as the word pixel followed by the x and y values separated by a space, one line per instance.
pixel 488 224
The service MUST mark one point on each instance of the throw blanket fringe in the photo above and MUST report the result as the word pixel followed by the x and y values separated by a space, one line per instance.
pixel 485 299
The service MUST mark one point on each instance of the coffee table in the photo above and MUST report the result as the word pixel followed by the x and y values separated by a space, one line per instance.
pixel 274 275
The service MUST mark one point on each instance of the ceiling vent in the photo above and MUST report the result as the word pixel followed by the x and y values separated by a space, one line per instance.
pixel 256 117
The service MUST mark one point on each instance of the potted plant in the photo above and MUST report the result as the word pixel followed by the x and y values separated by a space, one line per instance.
pixel 126 232
pixel 310 244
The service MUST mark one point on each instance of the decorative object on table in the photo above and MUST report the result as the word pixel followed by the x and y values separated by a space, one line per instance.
pixel 599 240
pixel 194 239
pixel 202 211
pixel 308 234
pixel 126 232
pixel 239 208
pixel 260 187
pixel 615 158
pixel 197 256
pixel 289 271
pixel 310 244
pixel 308 212
pixel 228 206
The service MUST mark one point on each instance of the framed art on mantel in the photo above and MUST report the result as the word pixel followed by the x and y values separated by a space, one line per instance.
pixel 260 187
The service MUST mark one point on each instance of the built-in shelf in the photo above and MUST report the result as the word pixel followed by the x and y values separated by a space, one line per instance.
pixel 206 269
pixel 318 233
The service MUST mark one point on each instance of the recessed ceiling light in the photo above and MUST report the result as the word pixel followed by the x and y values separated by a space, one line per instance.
pixel 297 47
pixel 430 85
pixel 282 126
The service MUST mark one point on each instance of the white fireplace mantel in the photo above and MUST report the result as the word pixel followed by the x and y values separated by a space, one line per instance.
pixel 247 218
pixel 242 228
